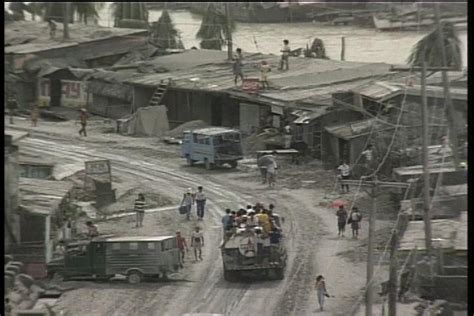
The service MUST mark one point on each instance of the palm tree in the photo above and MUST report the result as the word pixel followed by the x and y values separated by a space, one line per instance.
pixel 17 9
pixel 130 11
pixel 427 49
pixel 164 33
pixel 213 28
pixel 86 10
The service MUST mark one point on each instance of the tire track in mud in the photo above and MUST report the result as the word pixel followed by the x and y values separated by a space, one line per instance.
pixel 152 172
pixel 211 293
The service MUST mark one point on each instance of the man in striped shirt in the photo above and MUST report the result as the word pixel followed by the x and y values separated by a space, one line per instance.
pixel 140 209
pixel 200 199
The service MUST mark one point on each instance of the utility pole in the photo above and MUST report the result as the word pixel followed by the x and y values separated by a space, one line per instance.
pixel 453 137
pixel 229 33
pixel 426 172
pixel 375 185
pixel 66 20
pixel 392 283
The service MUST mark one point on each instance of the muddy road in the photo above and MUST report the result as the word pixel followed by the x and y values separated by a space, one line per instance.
pixel 200 287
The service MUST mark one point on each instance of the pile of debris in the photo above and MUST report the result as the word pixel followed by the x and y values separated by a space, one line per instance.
pixel 177 132
pixel 270 138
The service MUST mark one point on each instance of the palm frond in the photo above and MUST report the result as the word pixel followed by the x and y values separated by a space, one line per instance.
pixel 427 49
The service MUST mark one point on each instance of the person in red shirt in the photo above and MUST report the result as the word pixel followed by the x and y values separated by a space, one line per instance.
pixel 182 246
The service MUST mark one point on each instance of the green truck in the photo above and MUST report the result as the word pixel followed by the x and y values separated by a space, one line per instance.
pixel 136 257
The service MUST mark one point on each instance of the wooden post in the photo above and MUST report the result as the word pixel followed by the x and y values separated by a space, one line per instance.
pixel 392 285
pixel 229 33
pixel 66 20
pixel 343 47
pixel 426 173
pixel 370 254
pixel 450 114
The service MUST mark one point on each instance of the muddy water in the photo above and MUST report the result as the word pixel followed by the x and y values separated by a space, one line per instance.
pixel 361 44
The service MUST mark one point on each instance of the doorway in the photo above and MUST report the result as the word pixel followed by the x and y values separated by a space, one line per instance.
pixel 55 92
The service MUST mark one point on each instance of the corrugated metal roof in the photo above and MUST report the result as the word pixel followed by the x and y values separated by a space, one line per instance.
pixel 418 170
pixel 378 90
pixel 16 135
pixel 443 234
pixel 42 196
pixel 356 129
pixel 37 35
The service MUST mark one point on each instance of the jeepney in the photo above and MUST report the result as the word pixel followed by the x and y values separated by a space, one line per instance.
pixel 214 146
pixel 136 257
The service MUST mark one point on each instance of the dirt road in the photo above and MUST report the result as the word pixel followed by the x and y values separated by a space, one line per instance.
pixel 309 229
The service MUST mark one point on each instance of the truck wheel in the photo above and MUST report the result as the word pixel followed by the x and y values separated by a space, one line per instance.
pixel 208 164
pixel 279 274
pixel 134 277
pixel 233 164
pixel 189 161
pixel 230 276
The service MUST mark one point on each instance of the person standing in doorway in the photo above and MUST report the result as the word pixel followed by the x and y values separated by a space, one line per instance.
pixel 344 173
pixel 285 54
pixel 237 66
pixel 354 219
pixel 321 291
pixel 200 199
pixel 188 202
pixel 197 242
pixel 140 209
pixel 264 70
pixel 83 116
pixel 341 220
pixel 182 246
pixel 34 114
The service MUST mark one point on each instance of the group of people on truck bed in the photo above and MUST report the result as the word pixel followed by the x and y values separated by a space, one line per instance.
pixel 257 218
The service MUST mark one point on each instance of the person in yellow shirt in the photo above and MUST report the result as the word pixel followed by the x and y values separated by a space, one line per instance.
pixel 264 221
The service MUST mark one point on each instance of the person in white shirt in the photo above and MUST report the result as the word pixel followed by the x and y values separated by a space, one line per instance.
pixel 287 136
pixel 368 154
pixel 344 173
pixel 285 55
pixel 271 171
pixel 197 242
pixel 200 199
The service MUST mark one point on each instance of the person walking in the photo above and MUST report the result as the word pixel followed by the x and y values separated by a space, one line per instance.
pixel 354 219
pixel 285 54
pixel 182 246
pixel 271 174
pixel 237 66
pixel 344 173
pixel 83 116
pixel 321 291
pixel 34 114
pixel 139 208
pixel 200 199
pixel 264 70
pixel 197 242
pixel 188 202
pixel 341 220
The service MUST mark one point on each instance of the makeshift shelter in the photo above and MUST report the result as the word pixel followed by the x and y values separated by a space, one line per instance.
pixel 146 121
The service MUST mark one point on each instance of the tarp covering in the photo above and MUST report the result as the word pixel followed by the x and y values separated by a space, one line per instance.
pixel 147 121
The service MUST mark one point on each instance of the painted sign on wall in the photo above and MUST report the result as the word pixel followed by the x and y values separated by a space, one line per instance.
pixel 73 93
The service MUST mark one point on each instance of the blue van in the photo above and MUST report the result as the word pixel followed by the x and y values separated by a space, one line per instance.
pixel 214 146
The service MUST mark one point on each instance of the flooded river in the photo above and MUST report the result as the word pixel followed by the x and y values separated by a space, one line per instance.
pixel 364 45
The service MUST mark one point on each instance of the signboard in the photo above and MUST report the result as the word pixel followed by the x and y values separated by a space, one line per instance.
pixel 251 85
pixel 73 93
pixel 99 170
pixel 247 246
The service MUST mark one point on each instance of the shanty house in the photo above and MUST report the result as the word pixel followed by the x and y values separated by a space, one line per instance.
pixel 32 54
pixel 43 205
